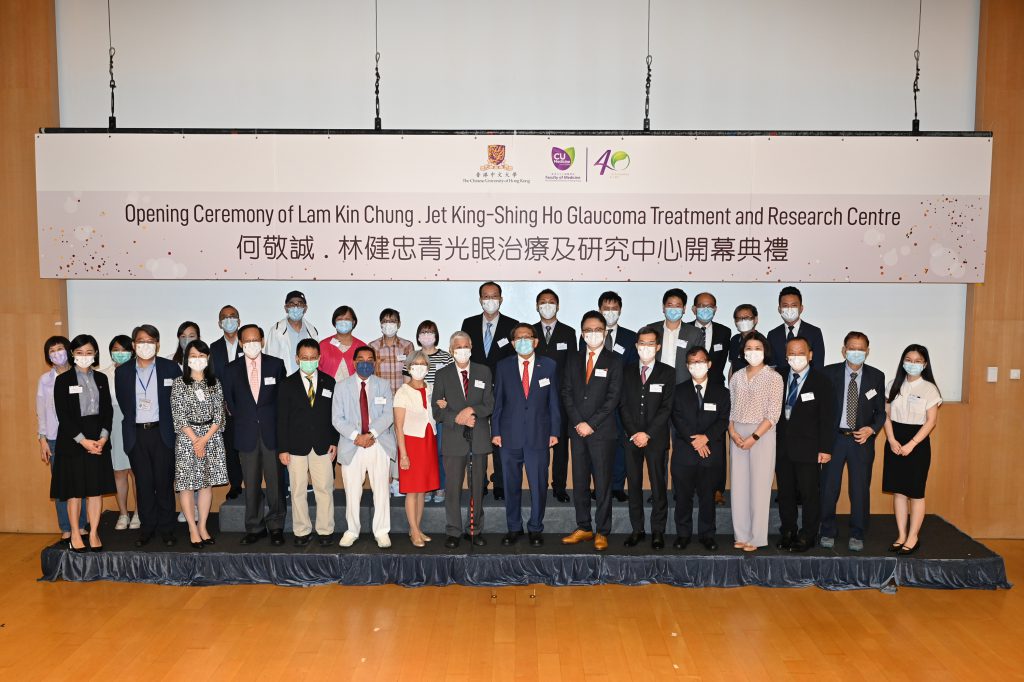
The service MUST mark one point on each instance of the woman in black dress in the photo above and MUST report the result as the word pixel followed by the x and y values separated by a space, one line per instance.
pixel 82 467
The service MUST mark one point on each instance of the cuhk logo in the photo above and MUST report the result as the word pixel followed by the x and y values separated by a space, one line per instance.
pixel 563 158
pixel 614 161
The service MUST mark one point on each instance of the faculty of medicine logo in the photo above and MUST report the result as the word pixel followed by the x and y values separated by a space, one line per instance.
pixel 563 158
pixel 496 159
pixel 616 162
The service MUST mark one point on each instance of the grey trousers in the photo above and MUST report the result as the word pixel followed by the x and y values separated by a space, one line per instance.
pixel 260 465
pixel 455 473
pixel 752 473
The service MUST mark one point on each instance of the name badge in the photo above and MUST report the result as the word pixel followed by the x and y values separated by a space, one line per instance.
pixel 619 349
pixel 326 393
pixel 479 384
pixel 710 407
pixel 561 346
pixel 200 395
pixel 336 343
pixel 145 404
pixel 400 357
pixel 269 381
pixel 502 342
pixel 74 389
pixel 912 398
pixel 806 397
pixel 239 353
pixel 379 400
pixel 681 343
pixel 168 382
pixel 657 388
pixel 544 382
pixel 717 347
pixel 600 372
pixel 871 394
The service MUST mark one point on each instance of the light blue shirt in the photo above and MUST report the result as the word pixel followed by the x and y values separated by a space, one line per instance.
pixel 147 385
pixel 798 379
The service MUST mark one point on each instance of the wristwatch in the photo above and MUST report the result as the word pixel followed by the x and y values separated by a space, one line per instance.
pixel 755 436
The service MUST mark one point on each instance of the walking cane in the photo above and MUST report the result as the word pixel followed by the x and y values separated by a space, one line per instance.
pixel 467 433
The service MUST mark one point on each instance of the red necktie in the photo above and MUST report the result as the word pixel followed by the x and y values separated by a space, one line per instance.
pixel 364 408
pixel 465 382
pixel 526 378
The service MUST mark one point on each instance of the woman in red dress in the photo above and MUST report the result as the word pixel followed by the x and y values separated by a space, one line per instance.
pixel 417 444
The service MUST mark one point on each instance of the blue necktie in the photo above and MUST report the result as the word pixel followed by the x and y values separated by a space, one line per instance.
pixel 794 389
pixel 488 338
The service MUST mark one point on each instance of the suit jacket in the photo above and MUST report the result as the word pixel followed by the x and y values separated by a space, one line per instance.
pixel 719 350
pixel 593 402
pixel 69 411
pixel 499 351
pixel 302 427
pixel 448 387
pixel 690 420
pixel 643 407
pixel 562 335
pixel 219 355
pixel 810 428
pixel 526 422
pixel 347 418
pixel 777 346
pixel 870 411
pixel 688 338
pixel 253 418
pixel 624 339
pixel 125 379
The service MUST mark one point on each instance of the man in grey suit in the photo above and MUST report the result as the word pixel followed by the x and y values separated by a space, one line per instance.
pixel 363 414
pixel 675 337
pixel 463 402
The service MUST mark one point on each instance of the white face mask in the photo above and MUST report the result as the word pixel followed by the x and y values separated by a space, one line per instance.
pixel 611 317
pixel 490 305
pixel 84 361
pixel 461 355
pixel 753 357
pixel 698 370
pixel 790 314
pixel 389 329
pixel 547 311
pixel 417 372
pixel 427 339
pixel 145 351
pixel 593 339
pixel 744 326
pixel 197 364
pixel 797 362
pixel 646 353
pixel 252 349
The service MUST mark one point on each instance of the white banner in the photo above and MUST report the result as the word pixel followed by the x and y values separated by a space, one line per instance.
pixel 513 207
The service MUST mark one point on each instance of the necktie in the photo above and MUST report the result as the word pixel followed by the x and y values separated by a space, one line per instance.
pixel 364 409
pixel 547 334
pixel 311 394
pixel 609 340
pixel 254 380
pixel 526 378
pixel 465 382
pixel 789 334
pixel 590 365
pixel 794 389
pixel 488 338
pixel 643 374
pixel 852 393
pixel 700 398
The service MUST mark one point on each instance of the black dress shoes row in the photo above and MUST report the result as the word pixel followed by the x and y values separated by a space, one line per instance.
pixel 561 495
pixel 794 542
pixel 511 538
pixel 682 542
pixel 252 538
pixel 620 495
pixel 634 539
pixel 145 538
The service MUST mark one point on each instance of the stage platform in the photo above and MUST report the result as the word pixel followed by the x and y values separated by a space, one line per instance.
pixel 947 559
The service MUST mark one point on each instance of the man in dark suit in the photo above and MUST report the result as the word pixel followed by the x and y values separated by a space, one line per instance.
pixel 490 334
pixel 860 415
pixel 250 391
pixel 591 386
pixel 806 434
pixel 556 340
pixel 143 390
pixel 675 337
pixel 645 408
pixel 224 350
pixel 525 425
pixel 791 308
pixel 307 443
pixel 715 336
pixel 700 414
pixel 463 402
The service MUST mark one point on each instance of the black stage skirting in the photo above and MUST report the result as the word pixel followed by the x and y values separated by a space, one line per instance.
pixel 947 559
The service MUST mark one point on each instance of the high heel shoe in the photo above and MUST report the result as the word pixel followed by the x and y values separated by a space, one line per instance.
pixel 904 550
pixel 209 541
pixel 196 544
pixel 895 547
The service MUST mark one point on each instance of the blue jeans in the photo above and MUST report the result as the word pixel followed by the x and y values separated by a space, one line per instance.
pixel 62 506
pixel 440 459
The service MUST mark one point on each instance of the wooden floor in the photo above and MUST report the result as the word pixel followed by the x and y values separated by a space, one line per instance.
pixel 129 632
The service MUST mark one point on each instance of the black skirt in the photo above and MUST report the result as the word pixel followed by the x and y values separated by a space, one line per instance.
pixel 907 475
pixel 77 473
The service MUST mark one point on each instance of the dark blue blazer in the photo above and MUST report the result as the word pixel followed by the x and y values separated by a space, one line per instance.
pixel 125 380
pixel 626 338
pixel 777 346
pixel 521 422
pixel 250 417
pixel 870 411
pixel 219 355
pixel 689 420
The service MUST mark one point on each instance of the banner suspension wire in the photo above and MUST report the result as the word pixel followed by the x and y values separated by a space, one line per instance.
pixel 916 124
pixel 112 120
pixel 376 69
pixel 647 97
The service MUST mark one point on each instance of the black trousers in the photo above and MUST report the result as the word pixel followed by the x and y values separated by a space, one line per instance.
pixel 720 475
pixel 497 477
pixel 657 465
pixel 593 458
pixel 689 480
pixel 560 458
pixel 803 479
pixel 153 465
pixel 231 455
pixel 261 465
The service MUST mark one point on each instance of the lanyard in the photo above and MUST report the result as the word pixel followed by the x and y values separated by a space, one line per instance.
pixel 145 386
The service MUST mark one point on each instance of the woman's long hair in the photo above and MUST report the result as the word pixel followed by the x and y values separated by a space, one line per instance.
pixel 178 352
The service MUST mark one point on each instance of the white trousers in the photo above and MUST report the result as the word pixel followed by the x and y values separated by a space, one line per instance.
pixel 751 489
pixel 372 462
pixel 318 469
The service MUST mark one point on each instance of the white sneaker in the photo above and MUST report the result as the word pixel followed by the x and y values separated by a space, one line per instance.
pixel 394 490
pixel 136 522
pixel 383 541
pixel 181 517
pixel 348 539
pixel 122 522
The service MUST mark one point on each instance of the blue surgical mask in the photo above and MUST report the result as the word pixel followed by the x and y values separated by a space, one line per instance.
pixel 913 368
pixel 856 357
pixel 705 315
pixel 524 346
pixel 673 314
pixel 121 356
pixel 344 326
pixel 364 369
pixel 295 313
pixel 229 324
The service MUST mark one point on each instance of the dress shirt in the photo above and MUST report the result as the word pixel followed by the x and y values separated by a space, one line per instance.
pixel 668 344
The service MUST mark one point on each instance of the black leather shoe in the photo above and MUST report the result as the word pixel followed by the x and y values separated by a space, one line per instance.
pixel 303 540
pixel 499 494
pixel 168 539
pixel 658 540
pixel 620 495
pixel 209 541
pixel 143 539
pixel 196 545
pixel 478 540
pixel 510 538
pixel 561 496
pixel 250 538
pixel 233 493
pixel 634 539
pixel 277 537
pixel 709 543
pixel 800 545
pixel 904 550
pixel 681 542
pixel 326 540
pixel 785 541
pixel 451 542
pixel 536 540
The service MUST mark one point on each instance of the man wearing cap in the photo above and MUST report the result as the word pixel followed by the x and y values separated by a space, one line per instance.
pixel 284 335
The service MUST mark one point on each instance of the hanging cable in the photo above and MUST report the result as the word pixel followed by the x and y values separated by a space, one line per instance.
pixel 112 120
pixel 916 124
pixel 376 69
pixel 647 98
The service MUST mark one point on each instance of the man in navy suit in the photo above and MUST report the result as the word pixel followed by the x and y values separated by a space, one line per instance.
pixel 860 415
pixel 791 308
pixel 525 425
pixel 716 342
pixel 222 351
pixel 250 391
pixel 143 390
